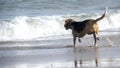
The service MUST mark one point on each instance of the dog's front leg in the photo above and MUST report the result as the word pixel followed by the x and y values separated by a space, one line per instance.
pixel 79 40
pixel 74 39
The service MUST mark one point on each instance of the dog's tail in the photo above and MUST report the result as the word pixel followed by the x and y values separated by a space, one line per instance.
pixel 100 17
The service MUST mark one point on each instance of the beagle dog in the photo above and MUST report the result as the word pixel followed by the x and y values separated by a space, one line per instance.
pixel 81 28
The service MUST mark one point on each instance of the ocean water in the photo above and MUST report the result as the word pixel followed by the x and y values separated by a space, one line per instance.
pixel 29 19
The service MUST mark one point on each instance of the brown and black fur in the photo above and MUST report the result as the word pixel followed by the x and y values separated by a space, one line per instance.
pixel 80 29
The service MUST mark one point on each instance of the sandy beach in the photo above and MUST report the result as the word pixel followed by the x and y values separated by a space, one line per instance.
pixel 59 53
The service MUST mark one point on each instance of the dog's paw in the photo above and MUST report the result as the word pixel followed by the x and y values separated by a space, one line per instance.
pixel 79 40
pixel 97 38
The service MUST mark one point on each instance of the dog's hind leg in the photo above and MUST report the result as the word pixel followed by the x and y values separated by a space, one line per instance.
pixel 95 39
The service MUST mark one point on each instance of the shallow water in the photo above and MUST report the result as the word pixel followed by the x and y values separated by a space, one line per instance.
pixel 60 53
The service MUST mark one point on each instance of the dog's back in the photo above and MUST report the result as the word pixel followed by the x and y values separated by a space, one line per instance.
pixel 79 26
pixel 88 26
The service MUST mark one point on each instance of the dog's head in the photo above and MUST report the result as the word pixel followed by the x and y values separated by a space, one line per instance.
pixel 67 24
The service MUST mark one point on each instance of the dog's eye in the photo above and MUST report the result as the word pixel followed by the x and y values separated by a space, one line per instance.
pixel 66 22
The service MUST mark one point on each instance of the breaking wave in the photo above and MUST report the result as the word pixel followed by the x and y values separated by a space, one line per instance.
pixel 23 27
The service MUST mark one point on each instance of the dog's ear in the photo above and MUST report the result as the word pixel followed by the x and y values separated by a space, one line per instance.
pixel 69 20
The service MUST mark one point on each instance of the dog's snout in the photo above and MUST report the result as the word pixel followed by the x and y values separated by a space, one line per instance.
pixel 66 27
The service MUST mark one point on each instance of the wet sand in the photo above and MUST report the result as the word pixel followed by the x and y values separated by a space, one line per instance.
pixel 59 53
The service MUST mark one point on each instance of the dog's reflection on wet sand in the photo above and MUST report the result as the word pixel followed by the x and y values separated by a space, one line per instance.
pixel 79 59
